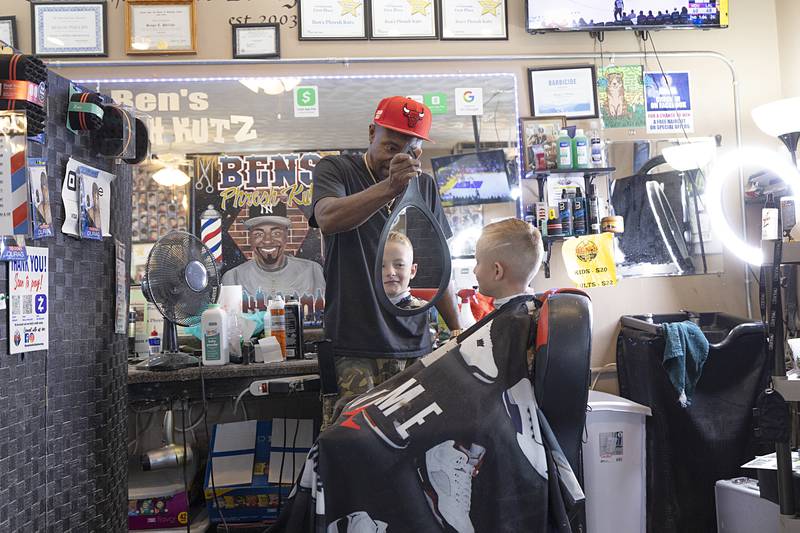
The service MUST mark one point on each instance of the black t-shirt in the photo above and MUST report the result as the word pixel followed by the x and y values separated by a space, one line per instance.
pixel 354 319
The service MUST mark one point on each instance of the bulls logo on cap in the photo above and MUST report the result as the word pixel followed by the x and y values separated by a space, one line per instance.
pixel 404 115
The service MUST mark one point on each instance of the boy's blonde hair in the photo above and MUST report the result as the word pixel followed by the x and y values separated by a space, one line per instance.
pixel 400 238
pixel 515 244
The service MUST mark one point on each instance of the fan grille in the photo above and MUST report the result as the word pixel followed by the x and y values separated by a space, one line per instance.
pixel 166 278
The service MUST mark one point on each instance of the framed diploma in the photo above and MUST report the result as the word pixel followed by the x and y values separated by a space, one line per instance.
pixel 331 20
pixel 61 29
pixel 160 27
pixel 8 31
pixel 474 20
pixel 256 41
pixel 403 19
pixel 563 91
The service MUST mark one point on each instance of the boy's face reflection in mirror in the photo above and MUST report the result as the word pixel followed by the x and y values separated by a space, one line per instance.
pixel 398 265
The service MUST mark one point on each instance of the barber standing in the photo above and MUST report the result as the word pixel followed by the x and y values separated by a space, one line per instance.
pixel 352 200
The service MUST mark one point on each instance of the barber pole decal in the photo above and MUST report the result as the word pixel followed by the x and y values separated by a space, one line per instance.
pixel 211 232
pixel 19 194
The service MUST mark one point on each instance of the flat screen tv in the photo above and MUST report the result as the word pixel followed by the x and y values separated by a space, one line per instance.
pixel 474 178
pixel 607 15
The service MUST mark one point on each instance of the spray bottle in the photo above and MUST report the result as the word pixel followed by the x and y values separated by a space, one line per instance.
pixel 464 309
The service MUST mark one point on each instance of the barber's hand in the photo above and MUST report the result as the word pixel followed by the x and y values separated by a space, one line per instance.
pixel 401 169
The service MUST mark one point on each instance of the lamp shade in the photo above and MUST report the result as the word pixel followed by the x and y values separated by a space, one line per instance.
pixel 689 156
pixel 779 117
pixel 171 177
pixel 727 167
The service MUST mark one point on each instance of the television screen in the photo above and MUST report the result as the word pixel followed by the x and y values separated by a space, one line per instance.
pixel 474 178
pixel 604 15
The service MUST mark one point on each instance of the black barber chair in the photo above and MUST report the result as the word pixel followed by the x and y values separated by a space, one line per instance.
pixel 561 371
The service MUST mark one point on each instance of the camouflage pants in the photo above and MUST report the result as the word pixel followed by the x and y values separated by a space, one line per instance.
pixel 355 376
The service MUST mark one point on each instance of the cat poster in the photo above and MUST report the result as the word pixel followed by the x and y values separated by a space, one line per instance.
pixel 668 102
pixel 620 92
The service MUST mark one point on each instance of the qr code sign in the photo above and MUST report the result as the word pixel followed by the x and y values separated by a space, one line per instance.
pixel 27 304
pixel 16 305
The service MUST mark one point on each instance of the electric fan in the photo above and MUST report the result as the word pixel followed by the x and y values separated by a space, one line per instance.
pixel 181 279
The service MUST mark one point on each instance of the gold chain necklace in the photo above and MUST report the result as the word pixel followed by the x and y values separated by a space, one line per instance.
pixel 375 181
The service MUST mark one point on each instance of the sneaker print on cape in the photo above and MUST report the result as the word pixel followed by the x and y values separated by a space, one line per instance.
pixel 477 353
pixel 446 477
pixel 521 408
pixel 358 522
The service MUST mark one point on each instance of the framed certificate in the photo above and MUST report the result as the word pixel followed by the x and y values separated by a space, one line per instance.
pixel 474 20
pixel 8 31
pixel 403 19
pixel 69 29
pixel 256 41
pixel 331 20
pixel 563 91
pixel 160 27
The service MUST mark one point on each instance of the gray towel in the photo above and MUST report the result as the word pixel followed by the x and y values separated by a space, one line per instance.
pixel 685 353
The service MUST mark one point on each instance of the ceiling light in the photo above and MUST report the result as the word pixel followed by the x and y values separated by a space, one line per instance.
pixel 170 176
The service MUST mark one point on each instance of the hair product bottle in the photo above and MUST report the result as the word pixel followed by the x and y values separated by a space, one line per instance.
pixel 215 336
pixel 579 213
pixel 564 150
pixel 580 145
pixel 277 321
pixel 593 211
pixel 565 214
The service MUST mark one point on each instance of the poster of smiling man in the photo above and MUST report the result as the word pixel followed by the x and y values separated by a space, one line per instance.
pixel 249 212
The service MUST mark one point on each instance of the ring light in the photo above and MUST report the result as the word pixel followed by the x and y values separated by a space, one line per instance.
pixel 727 166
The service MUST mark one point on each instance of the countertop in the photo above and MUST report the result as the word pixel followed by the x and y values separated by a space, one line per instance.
pixel 224 382
pixel 291 367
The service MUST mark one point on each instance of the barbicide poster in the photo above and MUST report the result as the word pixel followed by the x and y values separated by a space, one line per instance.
pixel 28 295
pixel 668 102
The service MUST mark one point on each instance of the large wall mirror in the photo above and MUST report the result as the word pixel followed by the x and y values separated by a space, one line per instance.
pixel 659 189
pixel 228 152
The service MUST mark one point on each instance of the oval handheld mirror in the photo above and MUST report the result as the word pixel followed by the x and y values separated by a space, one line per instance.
pixel 412 269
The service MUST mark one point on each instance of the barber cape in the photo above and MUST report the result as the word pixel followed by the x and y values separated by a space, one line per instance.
pixel 455 442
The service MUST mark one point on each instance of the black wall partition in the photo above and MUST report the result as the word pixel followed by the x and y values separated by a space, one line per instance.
pixel 63 418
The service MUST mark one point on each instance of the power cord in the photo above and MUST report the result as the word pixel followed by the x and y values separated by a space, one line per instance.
pixel 283 458
pixel 210 452
pixel 194 424
pixel 239 399
pixel 185 482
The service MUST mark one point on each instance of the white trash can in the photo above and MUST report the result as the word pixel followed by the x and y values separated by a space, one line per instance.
pixel 614 465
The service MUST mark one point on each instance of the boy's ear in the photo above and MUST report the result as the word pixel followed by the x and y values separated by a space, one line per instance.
pixel 499 271
pixel 413 271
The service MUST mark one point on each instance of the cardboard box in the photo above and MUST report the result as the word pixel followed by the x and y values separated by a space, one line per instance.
pixel 248 460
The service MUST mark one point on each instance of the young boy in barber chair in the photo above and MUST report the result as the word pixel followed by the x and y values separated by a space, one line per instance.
pixel 508 255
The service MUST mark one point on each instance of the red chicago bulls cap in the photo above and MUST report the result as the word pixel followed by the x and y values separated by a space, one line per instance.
pixel 405 115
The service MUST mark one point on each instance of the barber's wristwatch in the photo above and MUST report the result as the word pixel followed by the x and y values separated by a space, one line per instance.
pixel 455 332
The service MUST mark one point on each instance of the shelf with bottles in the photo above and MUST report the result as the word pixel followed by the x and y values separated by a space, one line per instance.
pixel 586 172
